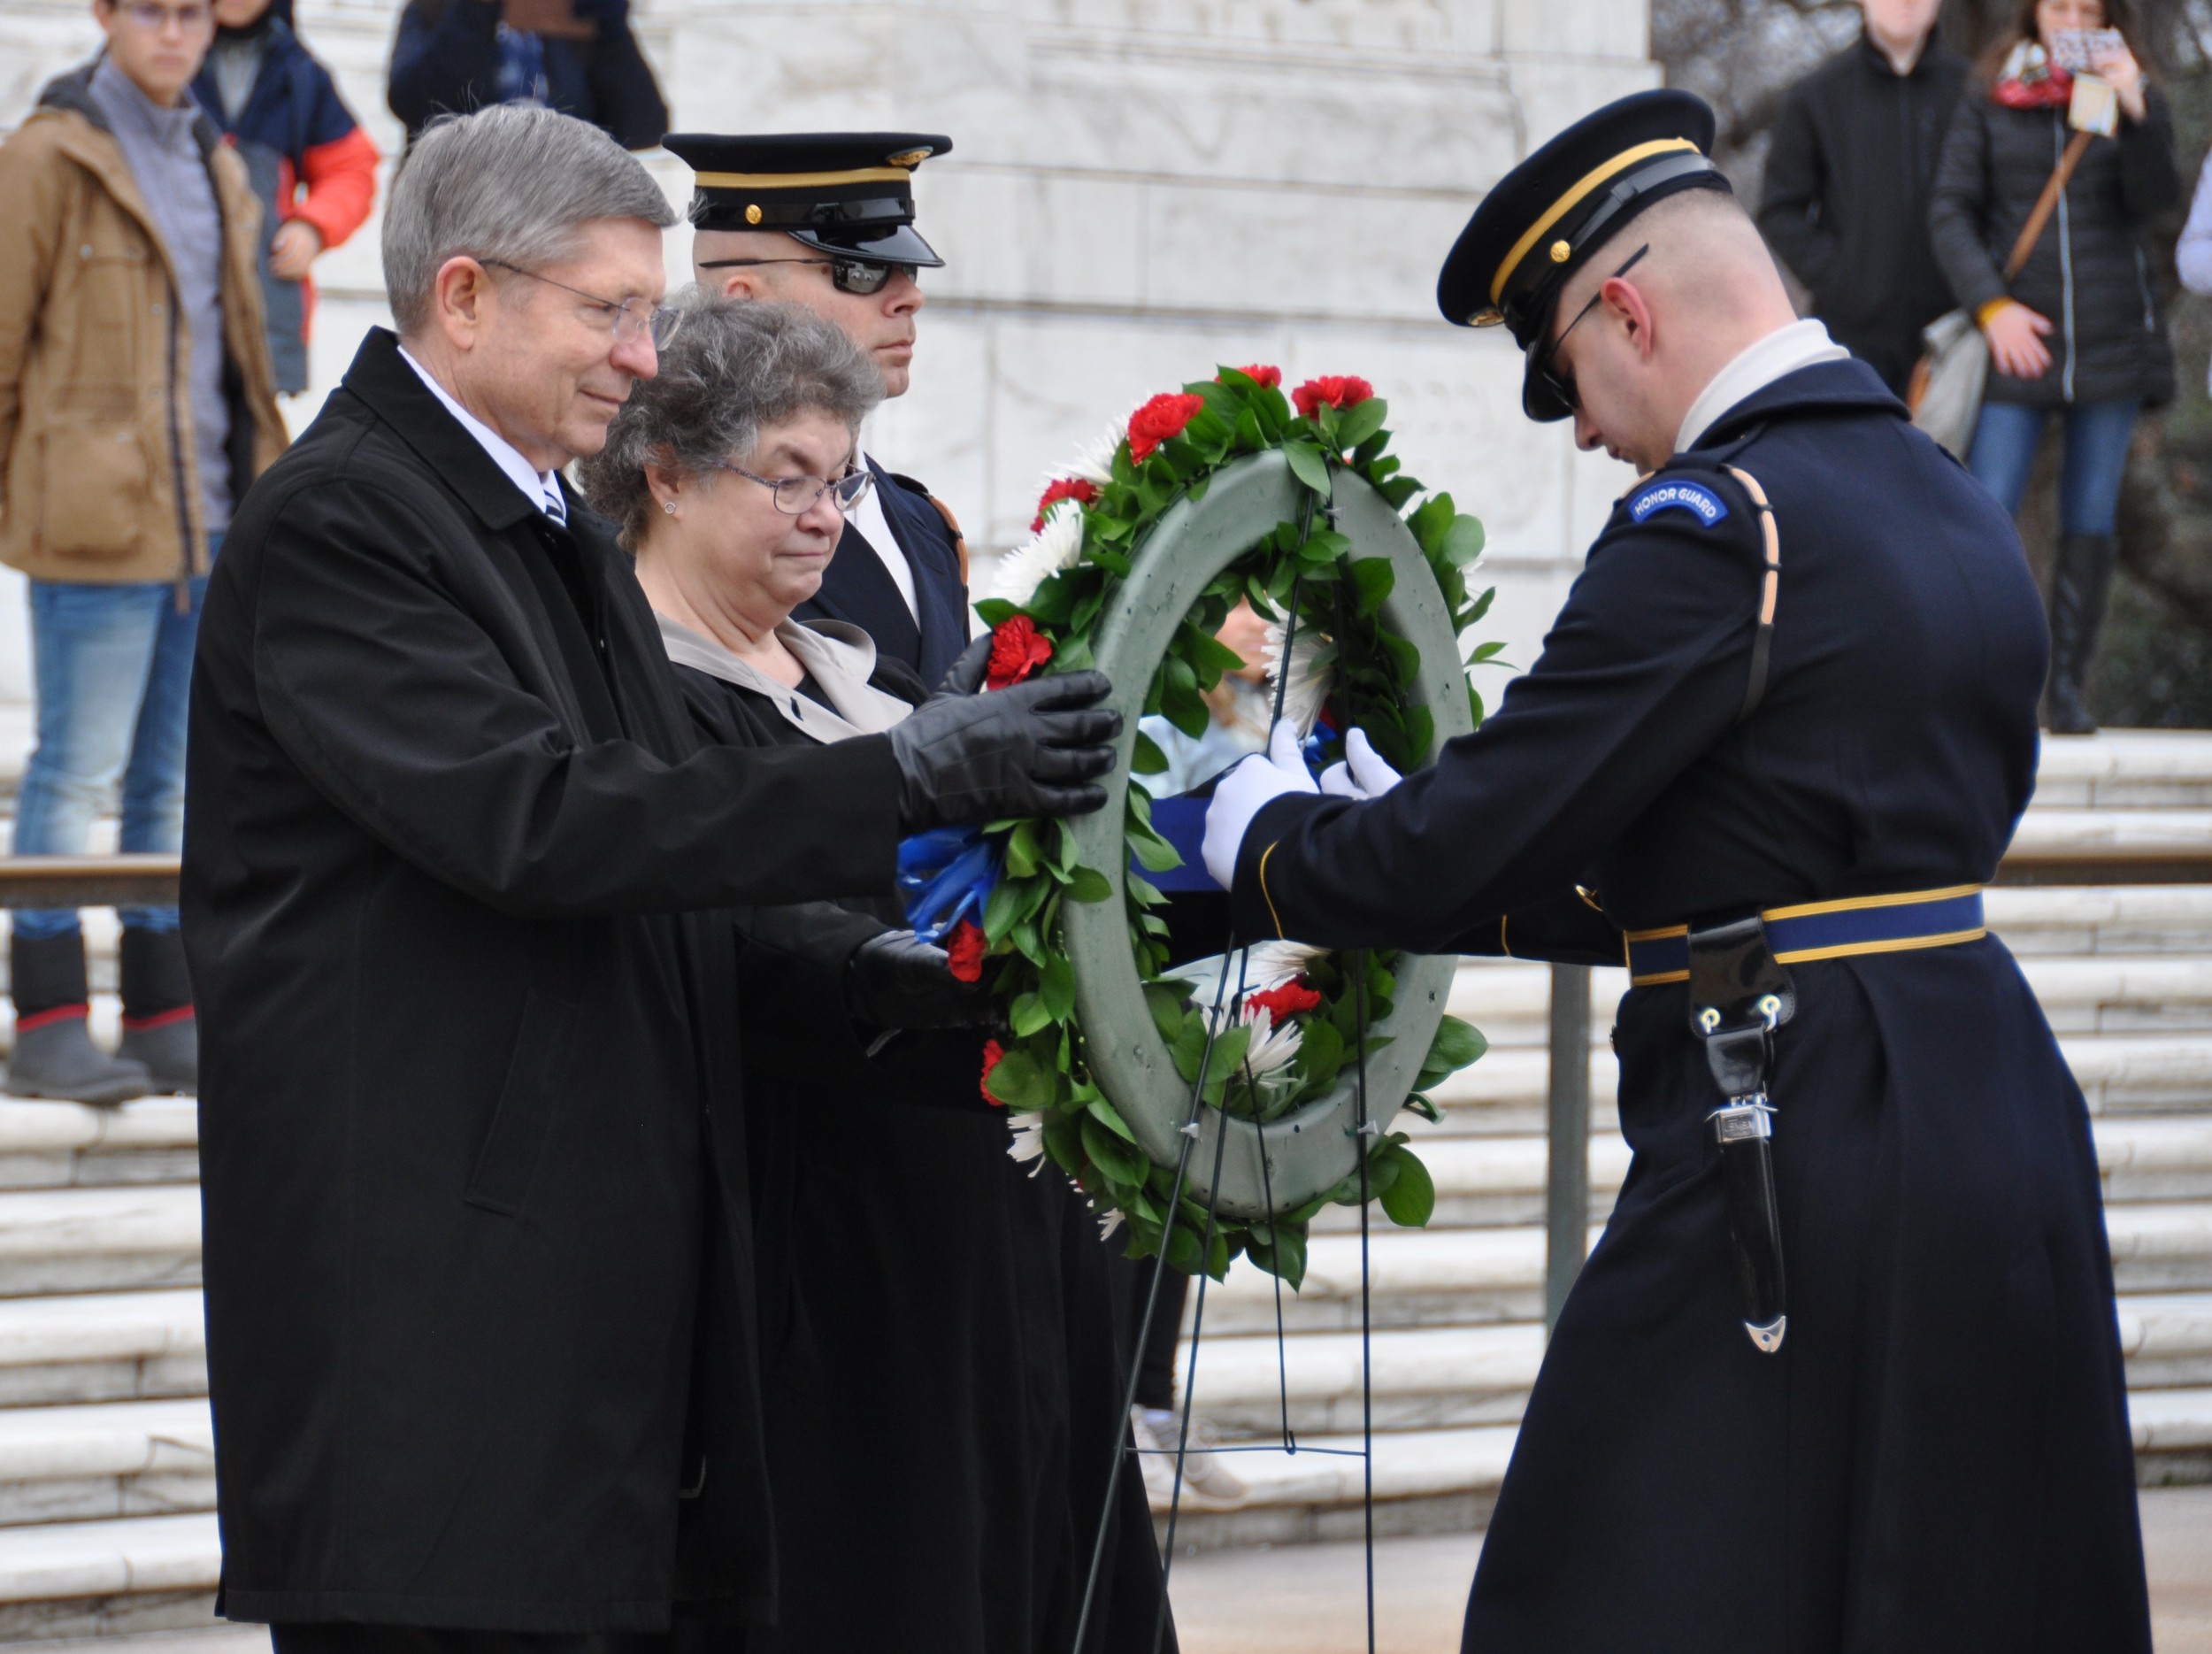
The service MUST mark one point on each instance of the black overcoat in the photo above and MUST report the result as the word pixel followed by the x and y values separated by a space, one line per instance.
pixel 1938 1456
pixel 857 589
pixel 936 1322
pixel 471 1143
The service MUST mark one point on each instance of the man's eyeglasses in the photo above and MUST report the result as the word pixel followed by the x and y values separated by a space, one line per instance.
pixel 1563 385
pixel 633 318
pixel 795 497
pixel 152 18
pixel 847 275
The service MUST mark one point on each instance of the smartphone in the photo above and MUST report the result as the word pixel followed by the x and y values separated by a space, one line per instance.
pixel 2078 50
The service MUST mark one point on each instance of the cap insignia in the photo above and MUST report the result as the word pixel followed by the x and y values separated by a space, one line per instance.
pixel 1561 253
pixel 752 212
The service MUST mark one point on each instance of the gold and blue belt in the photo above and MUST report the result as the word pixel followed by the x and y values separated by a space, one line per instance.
pixel 1828 930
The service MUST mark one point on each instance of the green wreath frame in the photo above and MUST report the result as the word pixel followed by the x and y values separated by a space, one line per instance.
pixel 1245 499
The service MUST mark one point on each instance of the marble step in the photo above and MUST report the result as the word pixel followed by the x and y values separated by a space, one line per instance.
pixel 102 1346
pixel 108 1578
pixel 98 1463
pixel 1449 1377
pixel 1464 1277
pixel 98 1240
pixel 1445 1480
pixel 65 1145
pixel 2127 769
pixel 2115 919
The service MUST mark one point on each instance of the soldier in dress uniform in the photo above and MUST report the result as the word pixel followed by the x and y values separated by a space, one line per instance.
pixel 826 219
pixel 1778 736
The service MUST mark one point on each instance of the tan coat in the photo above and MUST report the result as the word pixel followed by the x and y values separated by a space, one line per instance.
pixel 98 471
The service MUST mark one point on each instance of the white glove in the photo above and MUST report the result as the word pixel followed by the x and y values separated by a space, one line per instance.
pixel 1244 791
pixel 1361 773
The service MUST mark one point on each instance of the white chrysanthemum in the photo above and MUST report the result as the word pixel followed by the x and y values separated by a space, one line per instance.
pixel 1272 1048
pixel 1059 545
pixel 1108 1224
pixel 1310 676
pixel 1029 1141
pixel 1094 461
pixel 1270 965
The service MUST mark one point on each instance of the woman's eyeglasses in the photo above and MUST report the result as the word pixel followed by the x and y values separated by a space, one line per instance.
pixel 847 275
pixel 795 497
pixel 1563 385
pixel 633 318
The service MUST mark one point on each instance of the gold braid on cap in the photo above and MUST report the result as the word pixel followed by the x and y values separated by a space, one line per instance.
pixel 1566 203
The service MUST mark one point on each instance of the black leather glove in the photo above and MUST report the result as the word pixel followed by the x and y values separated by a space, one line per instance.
pixel 1030 750
pixel 897 981
pixel 966 675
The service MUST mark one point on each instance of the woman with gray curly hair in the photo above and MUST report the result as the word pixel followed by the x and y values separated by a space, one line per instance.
pixel 942 1390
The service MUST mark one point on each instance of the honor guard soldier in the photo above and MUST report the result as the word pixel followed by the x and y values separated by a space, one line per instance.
pixel 1780 735
pixel 826 219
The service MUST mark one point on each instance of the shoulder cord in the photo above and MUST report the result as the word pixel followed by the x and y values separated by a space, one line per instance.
pixel 1763 639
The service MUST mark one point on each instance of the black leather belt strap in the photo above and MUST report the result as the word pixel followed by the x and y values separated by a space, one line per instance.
pixel 1738 996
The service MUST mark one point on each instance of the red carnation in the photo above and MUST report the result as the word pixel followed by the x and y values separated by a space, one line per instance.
pixel 1338 391
pixel 1078 489
pixel 1285 1001
pixel 993 1051
pixel 963 953
pixel 1163 416
pixel 1261 373
pixel 1018 649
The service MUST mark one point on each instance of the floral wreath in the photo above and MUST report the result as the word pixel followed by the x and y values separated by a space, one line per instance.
pixel 993 895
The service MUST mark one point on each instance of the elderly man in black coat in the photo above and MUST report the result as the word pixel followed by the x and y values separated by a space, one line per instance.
pixel 478 1250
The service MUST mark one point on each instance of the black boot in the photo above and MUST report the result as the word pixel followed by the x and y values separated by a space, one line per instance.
pixel 54 1054
pixel 2081 580
pixel 158 1028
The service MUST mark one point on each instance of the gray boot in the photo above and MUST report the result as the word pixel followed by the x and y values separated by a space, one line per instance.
pixel 54 1054
pixel 158 1028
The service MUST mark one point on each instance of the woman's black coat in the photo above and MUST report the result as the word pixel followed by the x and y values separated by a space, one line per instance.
pixel 2090 273
pixel 937 1341
pixel 477 1218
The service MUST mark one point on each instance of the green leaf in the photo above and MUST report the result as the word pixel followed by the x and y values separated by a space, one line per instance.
pixel 1028 1015
pixel 1285 1255
pixel 1088 884
pixel 1021 850
pixel 1485 651
pixel 1457 1042
pixel 1410 1200
pixel 996 611
pixel 1308 466
pixel 1464 541
pixel 1360 421
pixel 1003 908
pixel 1372 580
pixel 1320 1051
pixel 1166 1005
pixel 1020 1081
pixel 1055 987
pixel 1481 605
pixel 1154 853
pixel 1120 1159
pixel 1431 521
pixel 1147 760
pixel 1183 1250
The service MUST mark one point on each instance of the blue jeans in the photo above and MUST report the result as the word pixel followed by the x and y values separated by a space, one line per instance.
pixel 2097 437
pixel 113 669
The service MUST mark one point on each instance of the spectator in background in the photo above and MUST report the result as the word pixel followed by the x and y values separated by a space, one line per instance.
pixel 576 56
pixel 2078 330
pixel 311 163
pixel 136 402
pixel 2192 258
pixel 1848 181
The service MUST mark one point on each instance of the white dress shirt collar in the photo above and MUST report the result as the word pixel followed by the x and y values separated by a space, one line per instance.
pixel 1757 366
pixel 542 488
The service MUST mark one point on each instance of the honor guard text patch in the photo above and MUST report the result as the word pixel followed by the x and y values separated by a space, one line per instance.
pixel 1693 498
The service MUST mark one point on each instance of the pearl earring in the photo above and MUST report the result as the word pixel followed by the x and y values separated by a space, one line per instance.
pixel 669 506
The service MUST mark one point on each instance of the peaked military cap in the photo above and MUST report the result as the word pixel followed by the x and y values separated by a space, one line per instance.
pixel 844 192
pixel 1543 220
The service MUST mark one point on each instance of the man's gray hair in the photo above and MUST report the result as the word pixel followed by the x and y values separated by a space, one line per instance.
pixel 735 368
pixel 512 183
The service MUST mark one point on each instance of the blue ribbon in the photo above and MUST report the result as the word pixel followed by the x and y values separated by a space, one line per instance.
pixel 946 875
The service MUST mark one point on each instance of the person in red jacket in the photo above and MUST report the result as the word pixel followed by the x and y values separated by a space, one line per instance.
pixel 311 163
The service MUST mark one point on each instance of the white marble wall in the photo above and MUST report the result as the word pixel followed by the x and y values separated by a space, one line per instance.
pixel 1141 190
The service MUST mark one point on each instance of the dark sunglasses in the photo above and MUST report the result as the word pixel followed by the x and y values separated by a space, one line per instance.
pixel 1563 385
pixel 847 275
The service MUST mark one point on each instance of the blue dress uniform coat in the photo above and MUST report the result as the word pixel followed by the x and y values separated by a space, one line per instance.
pixel 479 1252
pixel 1938 1455
pixel 856 587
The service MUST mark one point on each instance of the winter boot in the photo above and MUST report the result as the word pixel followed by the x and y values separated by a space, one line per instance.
pixel 158 1028
pixel 54 1054
pixel 2081 580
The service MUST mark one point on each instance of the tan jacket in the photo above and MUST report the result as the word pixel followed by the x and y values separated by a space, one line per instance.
pixel 98 474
